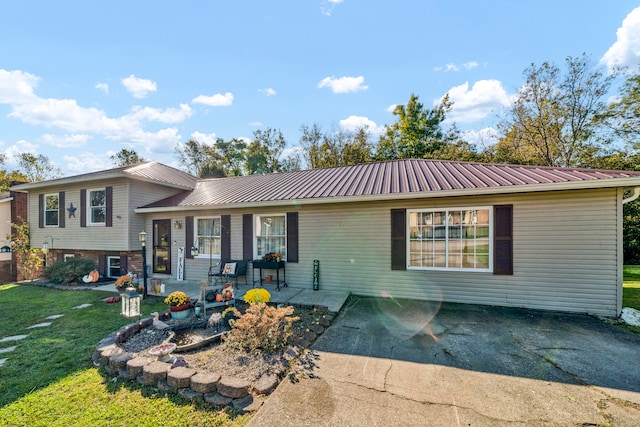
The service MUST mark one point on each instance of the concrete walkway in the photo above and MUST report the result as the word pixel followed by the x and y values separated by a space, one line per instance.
pixel 396 362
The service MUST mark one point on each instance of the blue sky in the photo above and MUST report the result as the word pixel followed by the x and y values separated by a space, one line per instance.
pixel 81 80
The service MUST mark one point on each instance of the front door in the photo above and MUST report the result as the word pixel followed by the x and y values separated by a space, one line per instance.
pixel 162 246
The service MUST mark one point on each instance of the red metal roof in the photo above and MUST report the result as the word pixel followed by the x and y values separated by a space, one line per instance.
pixel 410 178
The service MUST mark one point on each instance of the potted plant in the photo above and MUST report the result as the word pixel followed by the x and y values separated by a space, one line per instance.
pixel 179 304
pixel 123 282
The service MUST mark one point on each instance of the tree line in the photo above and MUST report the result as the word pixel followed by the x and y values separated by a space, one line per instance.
pixel 577 115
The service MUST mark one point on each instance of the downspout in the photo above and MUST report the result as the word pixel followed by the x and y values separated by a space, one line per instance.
pixel 632 197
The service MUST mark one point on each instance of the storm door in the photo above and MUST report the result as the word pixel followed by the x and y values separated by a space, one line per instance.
pixel 162 246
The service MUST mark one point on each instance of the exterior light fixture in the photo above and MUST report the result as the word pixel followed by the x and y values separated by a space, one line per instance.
pixel 194 251
pixel 130 303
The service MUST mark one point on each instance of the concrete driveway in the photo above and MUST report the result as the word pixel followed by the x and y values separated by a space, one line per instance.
pixel 390 362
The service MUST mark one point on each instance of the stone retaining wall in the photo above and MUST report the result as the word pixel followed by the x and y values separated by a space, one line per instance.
pixel 214 388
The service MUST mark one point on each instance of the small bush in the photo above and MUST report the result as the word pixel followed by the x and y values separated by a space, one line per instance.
pixel 261 327
pixel 70 271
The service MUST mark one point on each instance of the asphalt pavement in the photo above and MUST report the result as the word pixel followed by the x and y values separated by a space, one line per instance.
pixel 390 362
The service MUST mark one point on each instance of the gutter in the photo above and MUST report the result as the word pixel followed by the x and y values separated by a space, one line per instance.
pixel 632 197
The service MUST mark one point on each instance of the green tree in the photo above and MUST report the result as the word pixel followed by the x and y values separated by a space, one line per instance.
pixel 623 115
pixel 37 168
pixel 232 155
pixel 264 152
pixel 29 260
pixel 326 150
pixel 553 120
pixel 417 132
pixel 200 159
pixel 7 177
pixel 126 157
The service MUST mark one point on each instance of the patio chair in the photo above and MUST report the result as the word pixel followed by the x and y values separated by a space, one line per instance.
pixel 231 269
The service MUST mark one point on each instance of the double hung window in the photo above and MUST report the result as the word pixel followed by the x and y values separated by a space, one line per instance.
pixel 207 230
pixel 51 210
pixel 450 239
pixel 97 206
pixel 271 235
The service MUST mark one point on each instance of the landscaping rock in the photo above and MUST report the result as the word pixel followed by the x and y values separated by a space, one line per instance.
pixel 247 404
pixel 126 376
pixel 310 336
pixel 180 377
pixel 266 384
pixel 291 354
pixel 317 329
pixel 135 365
pixel 324 321
pixel 217 399
pixel 119 361
pixel 190 394
pixel 233 387
pixel 155 371
pixel 204 382
pixel 164 387
pixel 142 381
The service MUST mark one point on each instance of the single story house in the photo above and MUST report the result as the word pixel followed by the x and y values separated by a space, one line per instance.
pixel 496 234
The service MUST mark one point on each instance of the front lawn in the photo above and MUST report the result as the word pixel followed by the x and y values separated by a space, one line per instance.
pixel 49 380
pixel 631 292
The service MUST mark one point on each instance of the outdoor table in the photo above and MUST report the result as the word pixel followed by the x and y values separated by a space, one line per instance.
pixel 271 265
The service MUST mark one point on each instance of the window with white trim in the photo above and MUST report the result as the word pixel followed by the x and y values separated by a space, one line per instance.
pixel 207 236
pixel 271 235
pixel 51 210
pixel 97 206
pixel 450 239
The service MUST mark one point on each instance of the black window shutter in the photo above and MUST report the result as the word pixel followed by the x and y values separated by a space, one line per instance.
pixel 40 210
pixel 109 207
pixel 83 208
pixel 102 265
pixel 188 229
pixel 225 237
pixel 61 209
pixel 292 236
pixel 398 239
pixel 124 265
pixel 247 237
pixel 503 239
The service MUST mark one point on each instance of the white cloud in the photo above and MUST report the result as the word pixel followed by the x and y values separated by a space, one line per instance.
pixel 481 138
pixel 343 84
pixel 217 100
pixel 16 86
pixel 268 91
pixel 328 6
pixel 469 105
pixel 139 88
pixel 391 108
pixel 256 124
pixel 168 115
pixel 65 141
pixel 87 162
pixel 103 87
pixel 355 123
pixel 21 146
pixel 204 138
pixel 455 68
pixel 625 52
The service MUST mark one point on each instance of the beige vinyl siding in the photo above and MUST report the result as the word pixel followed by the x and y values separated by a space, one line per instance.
pixel 565 245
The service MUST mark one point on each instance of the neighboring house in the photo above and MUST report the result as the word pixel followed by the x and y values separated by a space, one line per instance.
pixel 91 215
pixel 13 209
pixel 522 236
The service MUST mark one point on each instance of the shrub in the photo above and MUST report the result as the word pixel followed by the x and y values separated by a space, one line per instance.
pixel 261 327
pixel 254 296
pixel 70 271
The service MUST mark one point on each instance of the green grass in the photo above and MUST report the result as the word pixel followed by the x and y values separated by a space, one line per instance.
pixel 631 291
pixel 49 380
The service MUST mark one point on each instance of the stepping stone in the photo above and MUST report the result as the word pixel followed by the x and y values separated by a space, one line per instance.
pixel 82 306
pixel 40 325
pixel 2 361
pixel 13 338
pixel 8 349
pixel 54 316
